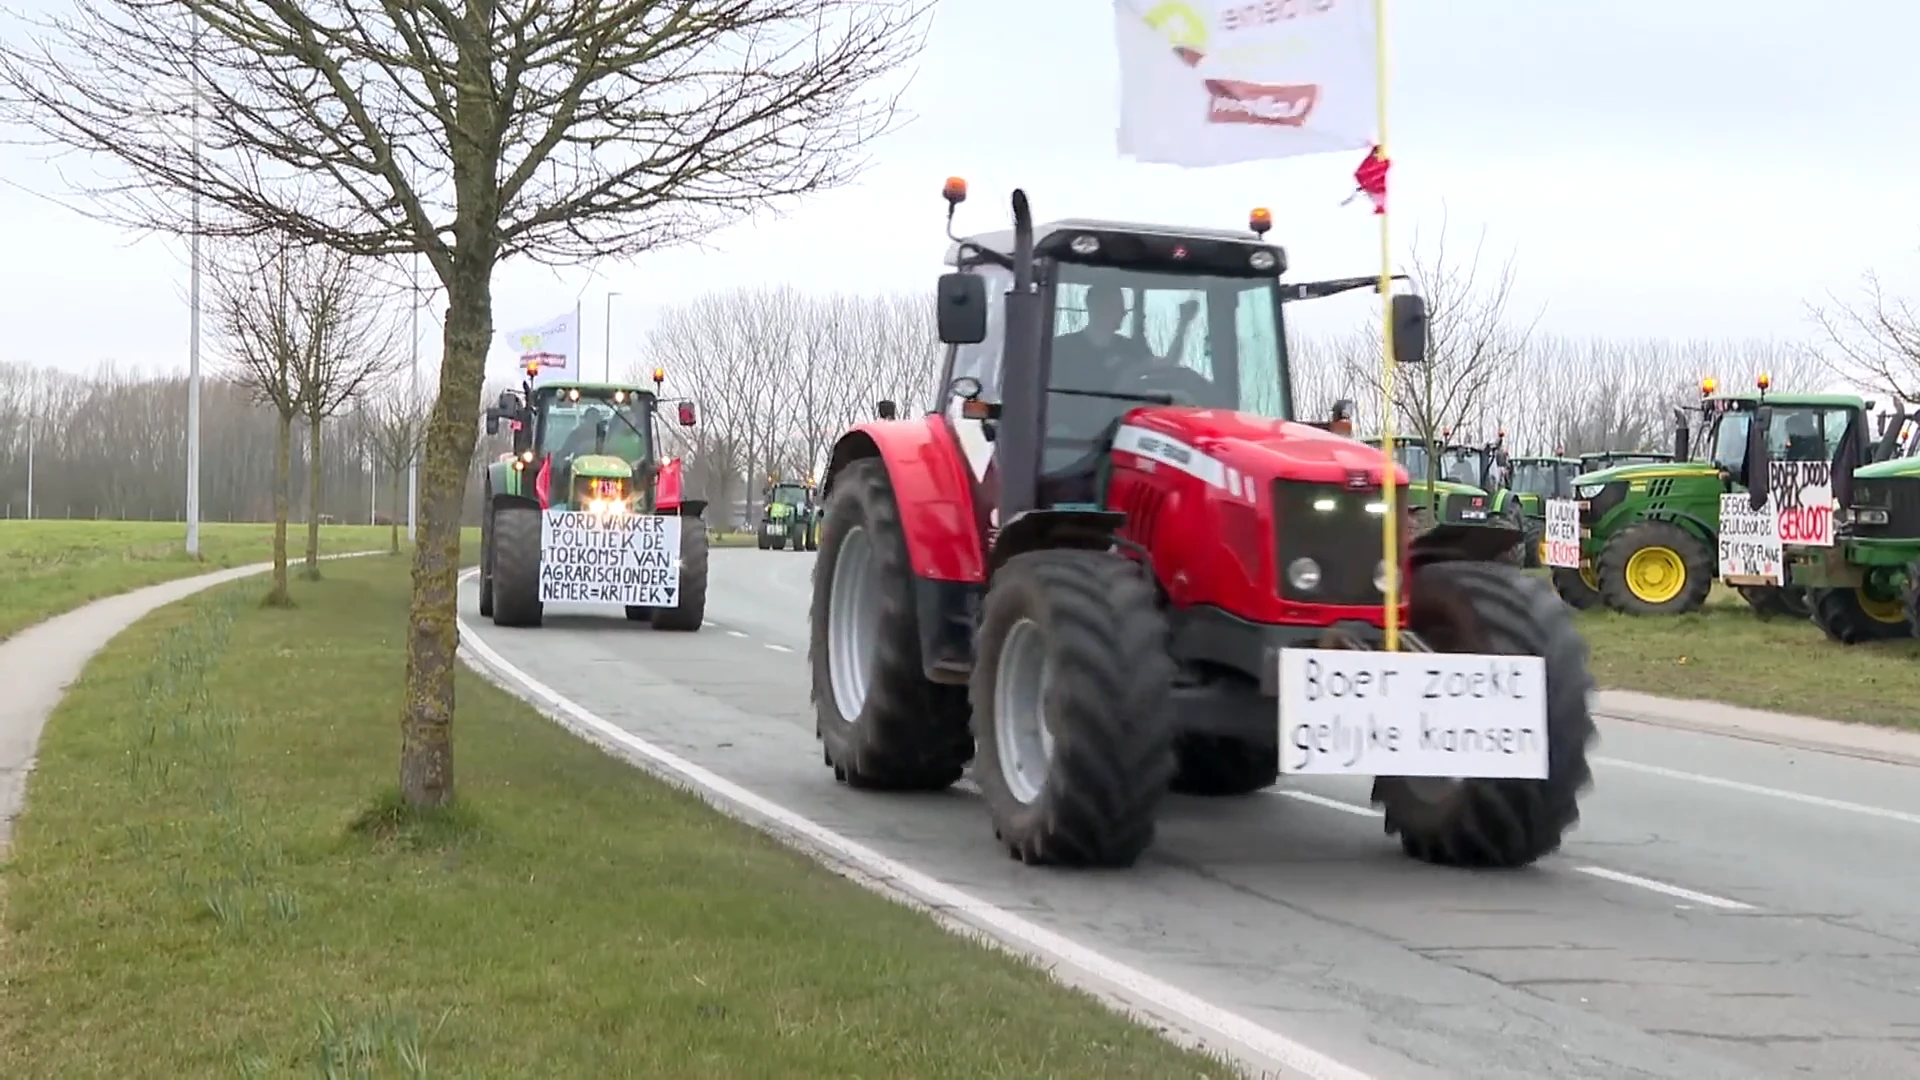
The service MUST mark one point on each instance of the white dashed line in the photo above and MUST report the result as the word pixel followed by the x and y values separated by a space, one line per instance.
pixel 1331 804
pixel 735 633
pixel 1675 891
pixel 776 648
pixel 1755 789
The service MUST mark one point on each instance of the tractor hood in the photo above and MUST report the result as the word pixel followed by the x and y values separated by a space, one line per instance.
pixel 1646 470
pixel 1909 466
pixel 1231 446
pixel 602 467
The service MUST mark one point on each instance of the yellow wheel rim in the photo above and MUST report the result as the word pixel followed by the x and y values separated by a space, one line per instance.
pixel 1587 576
pixel 1656 575
pixel 1881 611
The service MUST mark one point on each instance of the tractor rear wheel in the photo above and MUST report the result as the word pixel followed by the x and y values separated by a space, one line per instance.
pixel 1069 699
pixel 1577 587
pixel 1655 568
pixel 1218 766
pixel 516 567
pixel 1855 616
pixel 690 612
pixel 1510 519
pixel 760 537
pixel 1536 532
pixel 1488 608
pixel 1774 601
pixel 882 723
pixel 486 563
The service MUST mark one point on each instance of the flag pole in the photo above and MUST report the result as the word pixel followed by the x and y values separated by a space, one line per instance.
pixel 1390 523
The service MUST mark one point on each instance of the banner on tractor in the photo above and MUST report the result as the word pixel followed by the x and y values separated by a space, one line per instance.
pixel 555 344
pixel 1750 551
pixel 1216 82
pixel 1802 494
pixel 1347 712
pixel 627 559
pixel 1562 534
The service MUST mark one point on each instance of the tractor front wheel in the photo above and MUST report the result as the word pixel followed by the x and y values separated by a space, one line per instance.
pixel 1510 519
pixel 1475 607
pixel 1856 616
pixel 1069 695
pixel 516 567
pixel 689 611
pixel 1655 568
pixel 486 563
pixel 881 722
pixel 1577 586
pixel 1536 533
pixel 1768 601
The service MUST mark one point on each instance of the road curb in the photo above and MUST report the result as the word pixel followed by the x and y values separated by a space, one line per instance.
pixel 1867 742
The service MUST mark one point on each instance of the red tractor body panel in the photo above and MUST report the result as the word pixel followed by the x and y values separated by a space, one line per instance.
pixel 667 488
pixel 933 488
pixel 1197 488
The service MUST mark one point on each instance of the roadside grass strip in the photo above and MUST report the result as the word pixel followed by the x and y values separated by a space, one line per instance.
pixel 207 881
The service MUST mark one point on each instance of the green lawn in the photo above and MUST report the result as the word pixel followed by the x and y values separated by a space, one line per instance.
pixel 207 881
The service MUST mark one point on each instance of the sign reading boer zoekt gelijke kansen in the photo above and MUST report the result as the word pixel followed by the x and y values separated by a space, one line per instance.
pixel 1360 713
pixel 627 559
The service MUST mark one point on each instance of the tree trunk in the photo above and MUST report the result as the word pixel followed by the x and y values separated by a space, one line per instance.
pixel 315 469
pixel 282 500
pixel 426 723
pixel 398 485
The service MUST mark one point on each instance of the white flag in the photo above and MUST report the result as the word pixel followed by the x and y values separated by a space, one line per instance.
pixel 554 343
pixel 1216 82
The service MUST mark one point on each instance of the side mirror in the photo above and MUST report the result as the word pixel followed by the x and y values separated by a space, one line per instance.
pixel 1682 436
pixel 493 421
pixel 688 417
pixel 962 309
pixel 1759 476
pixel 1409 314
pixel 886 410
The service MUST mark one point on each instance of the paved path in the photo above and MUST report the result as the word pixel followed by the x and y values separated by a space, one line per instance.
pixel 1730 907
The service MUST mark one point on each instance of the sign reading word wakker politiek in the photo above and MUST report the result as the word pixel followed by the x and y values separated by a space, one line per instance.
pixel 1802 496
pixel 629 559
pixel 1562 534
pixel 1750 542
pixel 1217 82
pixel 554 344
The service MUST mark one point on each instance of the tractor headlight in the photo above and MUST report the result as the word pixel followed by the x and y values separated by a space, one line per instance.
pixel 1588 491
pixel 1380 576
pixel 1303 574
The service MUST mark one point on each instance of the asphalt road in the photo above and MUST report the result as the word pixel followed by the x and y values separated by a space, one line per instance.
pixel 1726 908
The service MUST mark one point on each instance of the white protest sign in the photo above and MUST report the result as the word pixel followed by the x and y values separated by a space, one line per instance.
pixel 1749 543
pixel 1214 82
pixel 1354 713
pixel 1563 533
pixel 628 559
pixel 1802 494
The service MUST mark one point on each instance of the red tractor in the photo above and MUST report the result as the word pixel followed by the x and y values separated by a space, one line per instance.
pixel 1078 573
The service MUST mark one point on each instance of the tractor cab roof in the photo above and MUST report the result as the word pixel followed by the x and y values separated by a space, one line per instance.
pixel 1750 398
pixel 593 387
pixel 1544 459
pixel 1001 241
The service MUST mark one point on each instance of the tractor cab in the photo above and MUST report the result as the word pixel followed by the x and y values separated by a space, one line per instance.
pixel 1434 497
pixel 1795 427
pixel 1538 478
pixel 587 446
pixel 1602 460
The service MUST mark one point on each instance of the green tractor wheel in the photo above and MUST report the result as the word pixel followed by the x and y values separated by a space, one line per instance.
pixel 1578 587
pixel 1510 518
pixel 1655 568
pixel 1854 616
pixel 1769 602
pixel 516 567
pixel 1535 536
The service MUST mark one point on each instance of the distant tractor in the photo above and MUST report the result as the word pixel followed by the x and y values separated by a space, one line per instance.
pixel 1533 481
pixel 1602 460
pixel 789 517
pixel 1084 569
pixel 1445 488
pixel 1649 533
pixel 591 448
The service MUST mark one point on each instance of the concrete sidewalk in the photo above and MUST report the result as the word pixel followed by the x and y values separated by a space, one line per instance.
pixel 1870 741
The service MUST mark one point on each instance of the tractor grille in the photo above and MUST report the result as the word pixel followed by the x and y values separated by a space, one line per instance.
pixel 1462 509
pixel 1899 497
pixel 1329 524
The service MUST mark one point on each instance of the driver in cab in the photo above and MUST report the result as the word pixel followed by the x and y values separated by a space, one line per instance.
pixel 1093 357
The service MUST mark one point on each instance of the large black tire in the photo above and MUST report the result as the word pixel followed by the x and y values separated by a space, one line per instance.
pixel 1488 608
pixel 1091 619
pixel 1217 766
pixel 1574 590
pixel 516 567
pixel 690 613
pixel 1535 531
pixel 1913 597
pixel 910 733
pixel 1844 615
pixel 761 537
pixel 1696 565
pixel 1510 518
pixel 1770 602
pixel 486 562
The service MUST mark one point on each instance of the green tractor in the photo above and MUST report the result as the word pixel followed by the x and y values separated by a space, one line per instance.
pixel 584 510
pixel 1602 460
pixel 1444 489
pixel 790 518
pixel 1533 481
pixel 1649 532
pixel 1866 585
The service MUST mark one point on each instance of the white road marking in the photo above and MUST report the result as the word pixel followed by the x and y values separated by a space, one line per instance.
pixel 735 633
pixel 1157 995
pixel 1331 804
pixel 776 648
pixel 1803 799
pixel 1638 882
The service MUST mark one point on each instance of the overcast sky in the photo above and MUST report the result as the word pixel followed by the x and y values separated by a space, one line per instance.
pixel 1691 169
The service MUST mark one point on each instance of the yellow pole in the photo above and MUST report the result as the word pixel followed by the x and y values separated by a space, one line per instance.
pixel 1390 526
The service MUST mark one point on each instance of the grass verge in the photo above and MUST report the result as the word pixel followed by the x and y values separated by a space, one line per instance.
pixel 204 883
pixel 1724 652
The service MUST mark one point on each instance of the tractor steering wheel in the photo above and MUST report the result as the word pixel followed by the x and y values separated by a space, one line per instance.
pixel 1185 385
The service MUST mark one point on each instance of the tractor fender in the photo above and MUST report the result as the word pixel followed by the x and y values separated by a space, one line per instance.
pixel 1037 530
pixel 931 486
pixel 1707 533
pixel 667 487
pixel 1447 543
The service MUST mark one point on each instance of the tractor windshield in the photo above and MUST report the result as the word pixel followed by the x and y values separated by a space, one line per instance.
pixel 1463 465
pixel 1550 479
pixel 1796 433
pixel 569 420
pixel 790 495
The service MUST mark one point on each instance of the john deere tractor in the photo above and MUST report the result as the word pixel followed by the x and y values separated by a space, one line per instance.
pixel 1533 481
pixel 1444 490
pixel 1649 533
pixel 790 518
pixel 585 447
pixel 1866 586
pixel 1601 460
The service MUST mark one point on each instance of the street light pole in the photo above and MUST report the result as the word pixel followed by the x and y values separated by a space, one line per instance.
pixel 607 361
pixel 193 327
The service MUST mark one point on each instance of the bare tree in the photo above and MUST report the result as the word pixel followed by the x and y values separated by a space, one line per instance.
pixel 467 133
pixel 1874 340
pixel 350 349
pixel 393 419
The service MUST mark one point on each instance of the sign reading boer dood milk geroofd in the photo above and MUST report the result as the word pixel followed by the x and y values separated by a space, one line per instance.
pixel 1798 510
pixel 626 559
